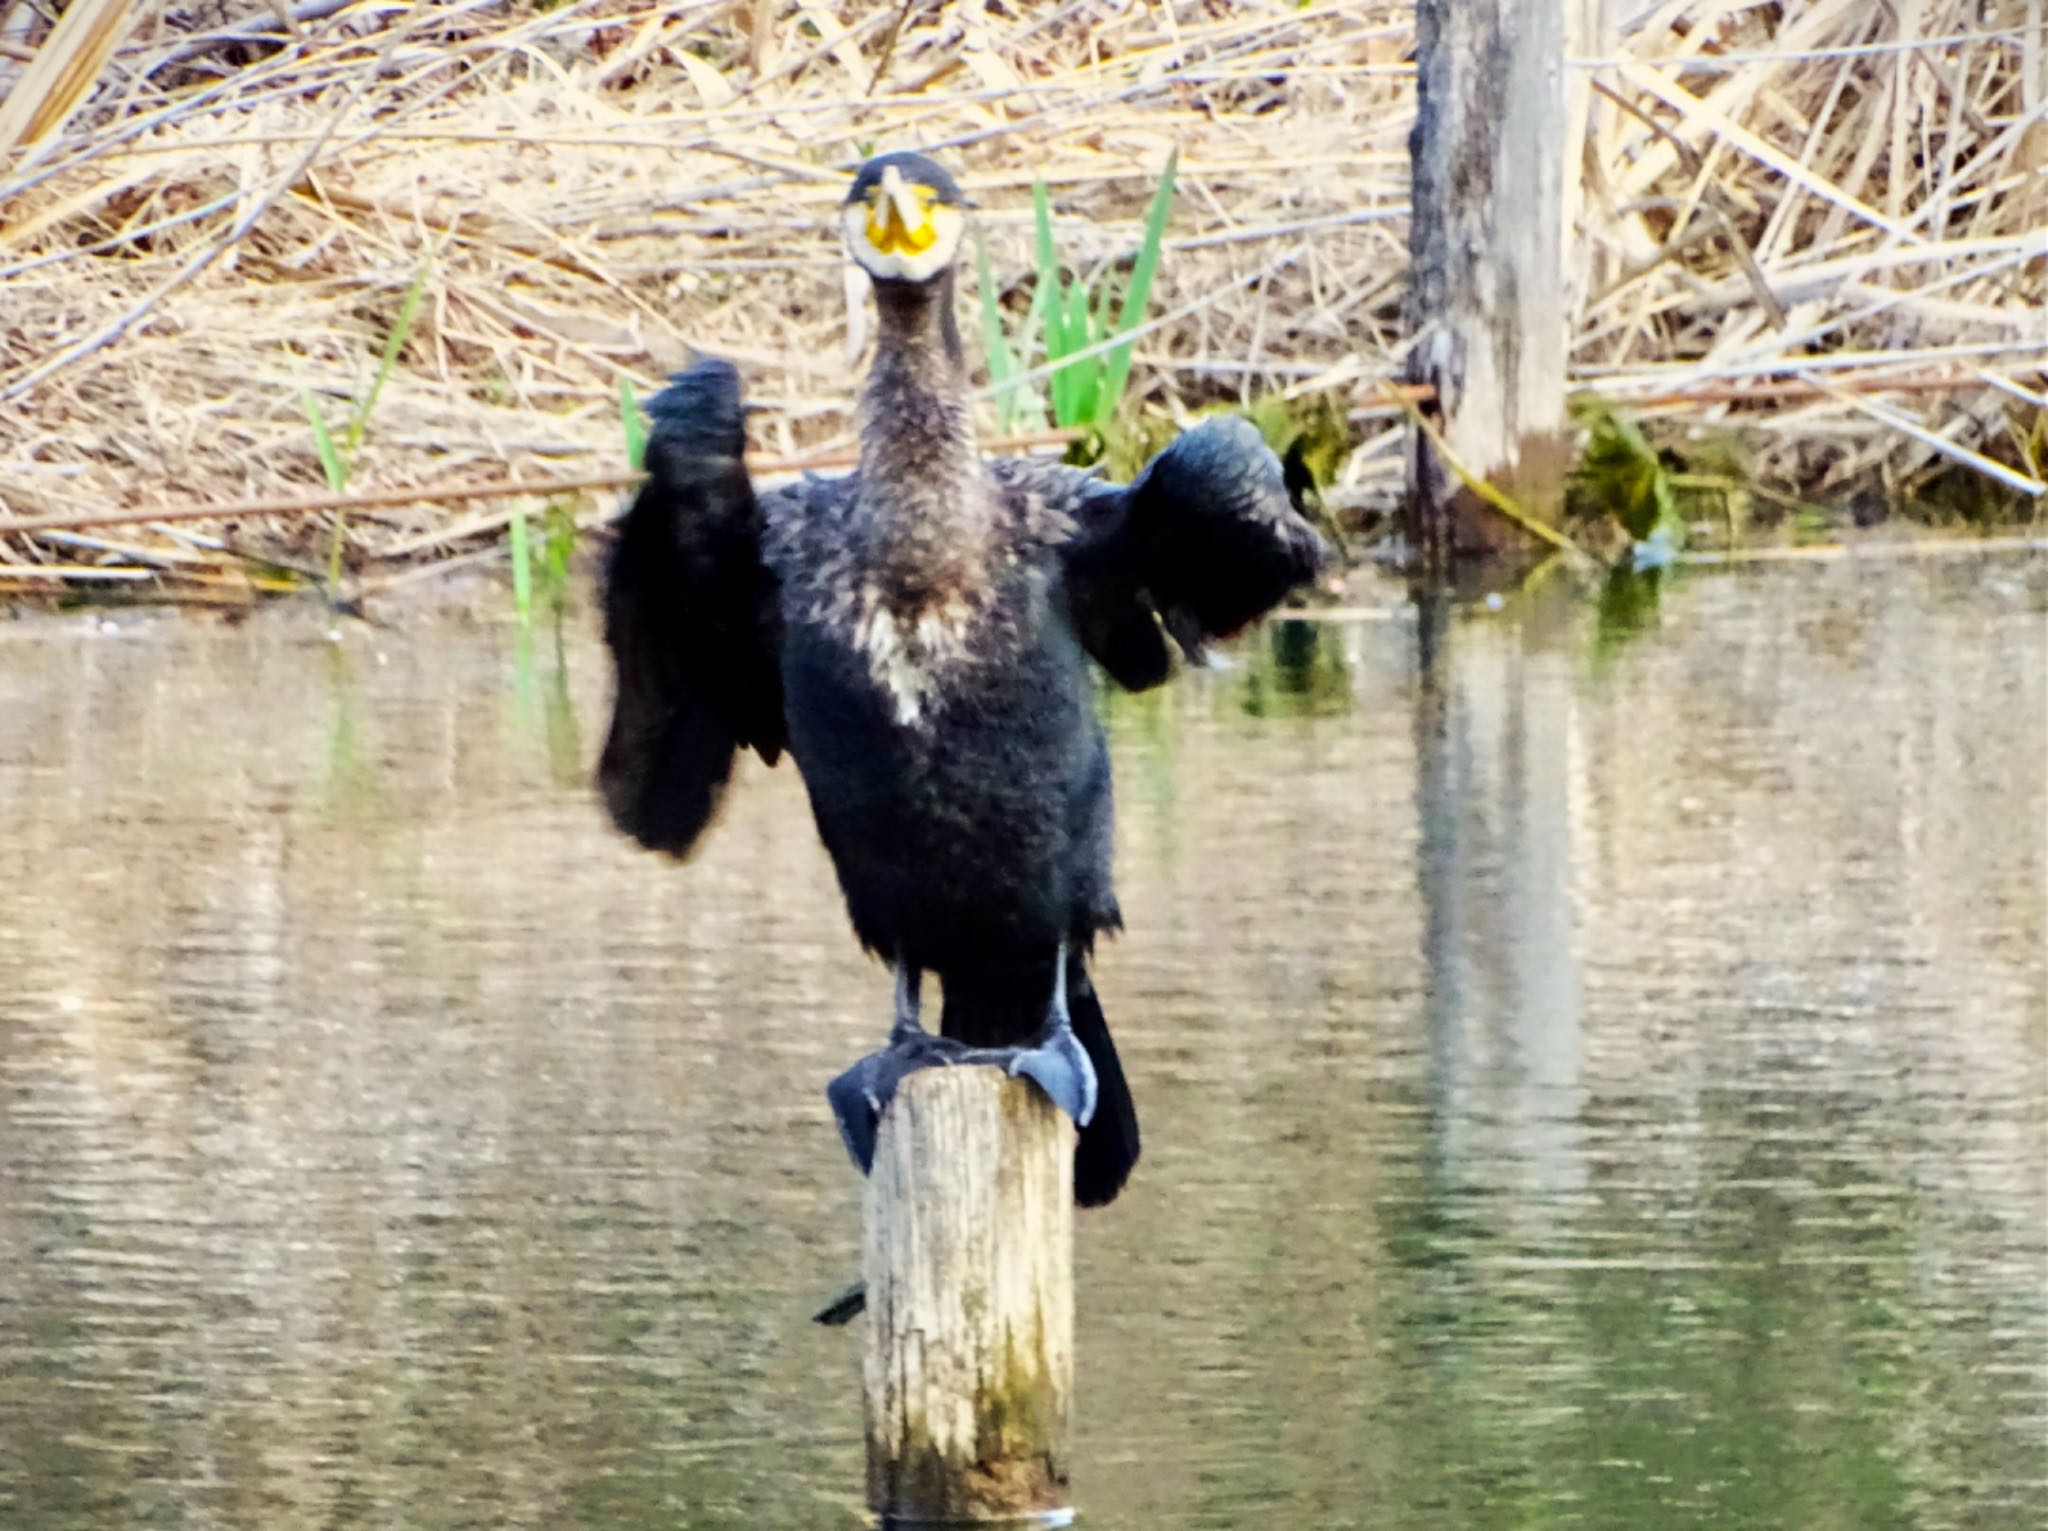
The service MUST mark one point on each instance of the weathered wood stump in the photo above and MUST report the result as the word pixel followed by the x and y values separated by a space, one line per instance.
pixel 1491 152
pixel 968 1253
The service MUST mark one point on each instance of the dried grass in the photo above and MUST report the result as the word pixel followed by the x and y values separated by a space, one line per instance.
pixel 226 199
pixel 1836 207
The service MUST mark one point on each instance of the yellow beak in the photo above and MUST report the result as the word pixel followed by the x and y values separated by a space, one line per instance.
pixel 899 216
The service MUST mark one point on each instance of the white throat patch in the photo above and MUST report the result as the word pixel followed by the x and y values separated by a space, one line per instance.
pixel 909 654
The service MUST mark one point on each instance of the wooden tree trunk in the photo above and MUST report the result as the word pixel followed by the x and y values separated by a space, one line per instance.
pixel 967 1249
pixel 1487 296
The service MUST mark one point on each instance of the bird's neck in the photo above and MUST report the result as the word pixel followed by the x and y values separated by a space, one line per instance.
pixel 927 514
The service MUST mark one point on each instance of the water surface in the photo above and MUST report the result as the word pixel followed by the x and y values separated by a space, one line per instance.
pixel 1590 1079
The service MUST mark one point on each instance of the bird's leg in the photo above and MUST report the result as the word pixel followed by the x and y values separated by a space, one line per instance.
pixel 1055 1058
pixel 906 1025
pixel 861 1094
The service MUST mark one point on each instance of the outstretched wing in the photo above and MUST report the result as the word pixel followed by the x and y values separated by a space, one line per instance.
pixel 691 619
pixel 1203 542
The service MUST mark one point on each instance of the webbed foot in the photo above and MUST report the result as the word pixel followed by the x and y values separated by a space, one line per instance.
pixel 1053 1059
pixel 1060 1066
pixel 860 1095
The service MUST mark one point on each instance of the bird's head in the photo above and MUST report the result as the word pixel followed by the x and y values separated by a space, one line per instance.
pixel 903 218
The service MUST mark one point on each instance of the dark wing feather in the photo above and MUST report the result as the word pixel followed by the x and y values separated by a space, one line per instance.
pixel 690 617
pixel 1221 542
pixel 1204 541
pixel 1106 594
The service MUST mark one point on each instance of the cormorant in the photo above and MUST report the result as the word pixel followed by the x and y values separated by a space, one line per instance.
pixel 916 634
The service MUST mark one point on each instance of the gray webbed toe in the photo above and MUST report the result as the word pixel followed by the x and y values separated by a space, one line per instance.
pixel 1056 1062
pixel 861 1094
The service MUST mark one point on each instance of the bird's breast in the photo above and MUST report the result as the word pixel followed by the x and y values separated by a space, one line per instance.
pixel 913 651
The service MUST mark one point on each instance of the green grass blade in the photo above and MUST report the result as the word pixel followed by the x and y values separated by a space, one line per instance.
pixel 1052 311
pixel 388 361
pixel 1002 361
pixel 1083 378
pixel 633 424
pixel 522 568
pixel 334 544
pixel 331 463
pixel 1050 300
pixel 1118 368
pixel 557 550
pixel 333 467
pixel 1148 251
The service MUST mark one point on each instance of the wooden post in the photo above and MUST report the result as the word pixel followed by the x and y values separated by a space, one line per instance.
pixel 968 1252
pixel 1487 298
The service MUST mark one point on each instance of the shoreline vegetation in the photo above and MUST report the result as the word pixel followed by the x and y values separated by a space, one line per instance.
pixel 336 297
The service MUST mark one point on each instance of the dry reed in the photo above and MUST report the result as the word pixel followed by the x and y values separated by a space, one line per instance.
pixel 1825 224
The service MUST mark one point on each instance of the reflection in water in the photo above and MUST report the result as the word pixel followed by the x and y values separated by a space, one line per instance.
pixel 1493 755
pixel 1587 1081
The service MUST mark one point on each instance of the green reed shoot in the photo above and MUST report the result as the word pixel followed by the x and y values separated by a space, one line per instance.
pixel 387 362
pixel 331 463
pixel 522 568
pixel 558 536
pixel 1072 317
pixel 1004 364
pixel 540 582
pixel 337 461
pixel 633 423
pixel 558 546
pixel 1118 370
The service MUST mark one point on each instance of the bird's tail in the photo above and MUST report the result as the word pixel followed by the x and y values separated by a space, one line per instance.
pixel 1108 1147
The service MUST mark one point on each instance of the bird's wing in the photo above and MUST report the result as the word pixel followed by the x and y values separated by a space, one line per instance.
pixel 1203 542
pixel 690 611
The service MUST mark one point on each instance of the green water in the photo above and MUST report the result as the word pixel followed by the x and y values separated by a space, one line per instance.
pixel 1590 1079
